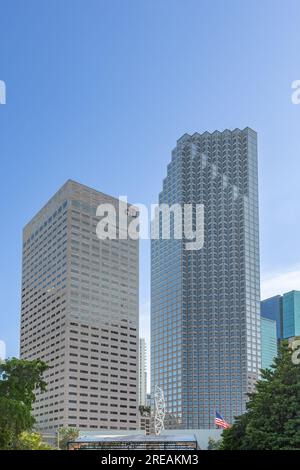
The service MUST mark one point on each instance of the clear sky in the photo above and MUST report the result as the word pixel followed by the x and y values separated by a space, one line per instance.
pixel 99 91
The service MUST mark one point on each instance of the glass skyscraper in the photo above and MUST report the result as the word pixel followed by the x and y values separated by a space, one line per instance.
pixel 268 342
pixel 272 309
pixel 205 304
pixel 291 314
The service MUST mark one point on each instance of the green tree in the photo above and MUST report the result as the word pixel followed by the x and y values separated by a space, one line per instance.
pixel 32 441
pixel 234 437
pixel 66 435
pixel 213 444
pixel 145 410
pixel 14 418
pixel 272 420
pixel 19 379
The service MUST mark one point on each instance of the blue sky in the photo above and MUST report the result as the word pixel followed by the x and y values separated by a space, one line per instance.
pixel 99 91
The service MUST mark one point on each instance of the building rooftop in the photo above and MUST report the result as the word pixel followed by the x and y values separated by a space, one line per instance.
pixel 137 438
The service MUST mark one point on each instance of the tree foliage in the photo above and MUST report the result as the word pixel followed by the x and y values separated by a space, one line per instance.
pixel 14 418
pixel 234 437
pixel 19 379
pixel 66 435
pixel 213 444
pixel 272 420
pixel 145 410
pixel 32 441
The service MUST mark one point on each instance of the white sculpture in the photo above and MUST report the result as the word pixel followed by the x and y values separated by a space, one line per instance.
pixel 160 410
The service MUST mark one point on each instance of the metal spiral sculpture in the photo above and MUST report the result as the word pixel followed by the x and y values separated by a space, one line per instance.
pixel 160 410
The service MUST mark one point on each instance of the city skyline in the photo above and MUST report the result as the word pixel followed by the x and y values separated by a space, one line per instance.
pixel 107 77
pixel 150 281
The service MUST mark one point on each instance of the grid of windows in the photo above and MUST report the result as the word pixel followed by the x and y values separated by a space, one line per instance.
pixel 80 314
pixel 205 311
pixel 268 342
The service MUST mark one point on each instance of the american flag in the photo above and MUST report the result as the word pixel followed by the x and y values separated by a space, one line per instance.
pixel 219 421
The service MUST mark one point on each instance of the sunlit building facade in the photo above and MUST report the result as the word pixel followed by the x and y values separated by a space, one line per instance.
pixel 205 304
pixel 80 314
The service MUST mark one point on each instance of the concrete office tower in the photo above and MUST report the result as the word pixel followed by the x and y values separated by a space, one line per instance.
pixel 80 314
pixel 205 304
pixel 143 373
pixel 268 342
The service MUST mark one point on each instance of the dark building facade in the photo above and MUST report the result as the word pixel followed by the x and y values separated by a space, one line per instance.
pixel 205 304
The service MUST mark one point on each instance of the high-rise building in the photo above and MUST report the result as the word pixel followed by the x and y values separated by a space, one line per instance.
pixel 80 314
pixel 291 314
pixel 143 373
pixel 272 308
pixel 149 400
pixel 285 310
pixel 268 342
pixel 205 304
pixel 2 350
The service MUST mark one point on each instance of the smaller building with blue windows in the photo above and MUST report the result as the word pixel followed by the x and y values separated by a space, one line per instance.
pixel 291 314
pixel 268 342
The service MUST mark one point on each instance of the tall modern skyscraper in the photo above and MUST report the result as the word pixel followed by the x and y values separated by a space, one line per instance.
pixel 271 308
pixel 80 314
pixel 285 310
pixel 143 373
pixel 291 314
pixel 205 304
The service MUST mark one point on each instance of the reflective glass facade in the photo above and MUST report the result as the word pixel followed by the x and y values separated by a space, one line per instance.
pixel 272 308
pixel 268 342
pixel 205 304
pixel 291 314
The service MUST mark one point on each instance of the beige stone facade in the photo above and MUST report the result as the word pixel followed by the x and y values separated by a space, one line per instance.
pixel 80 314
